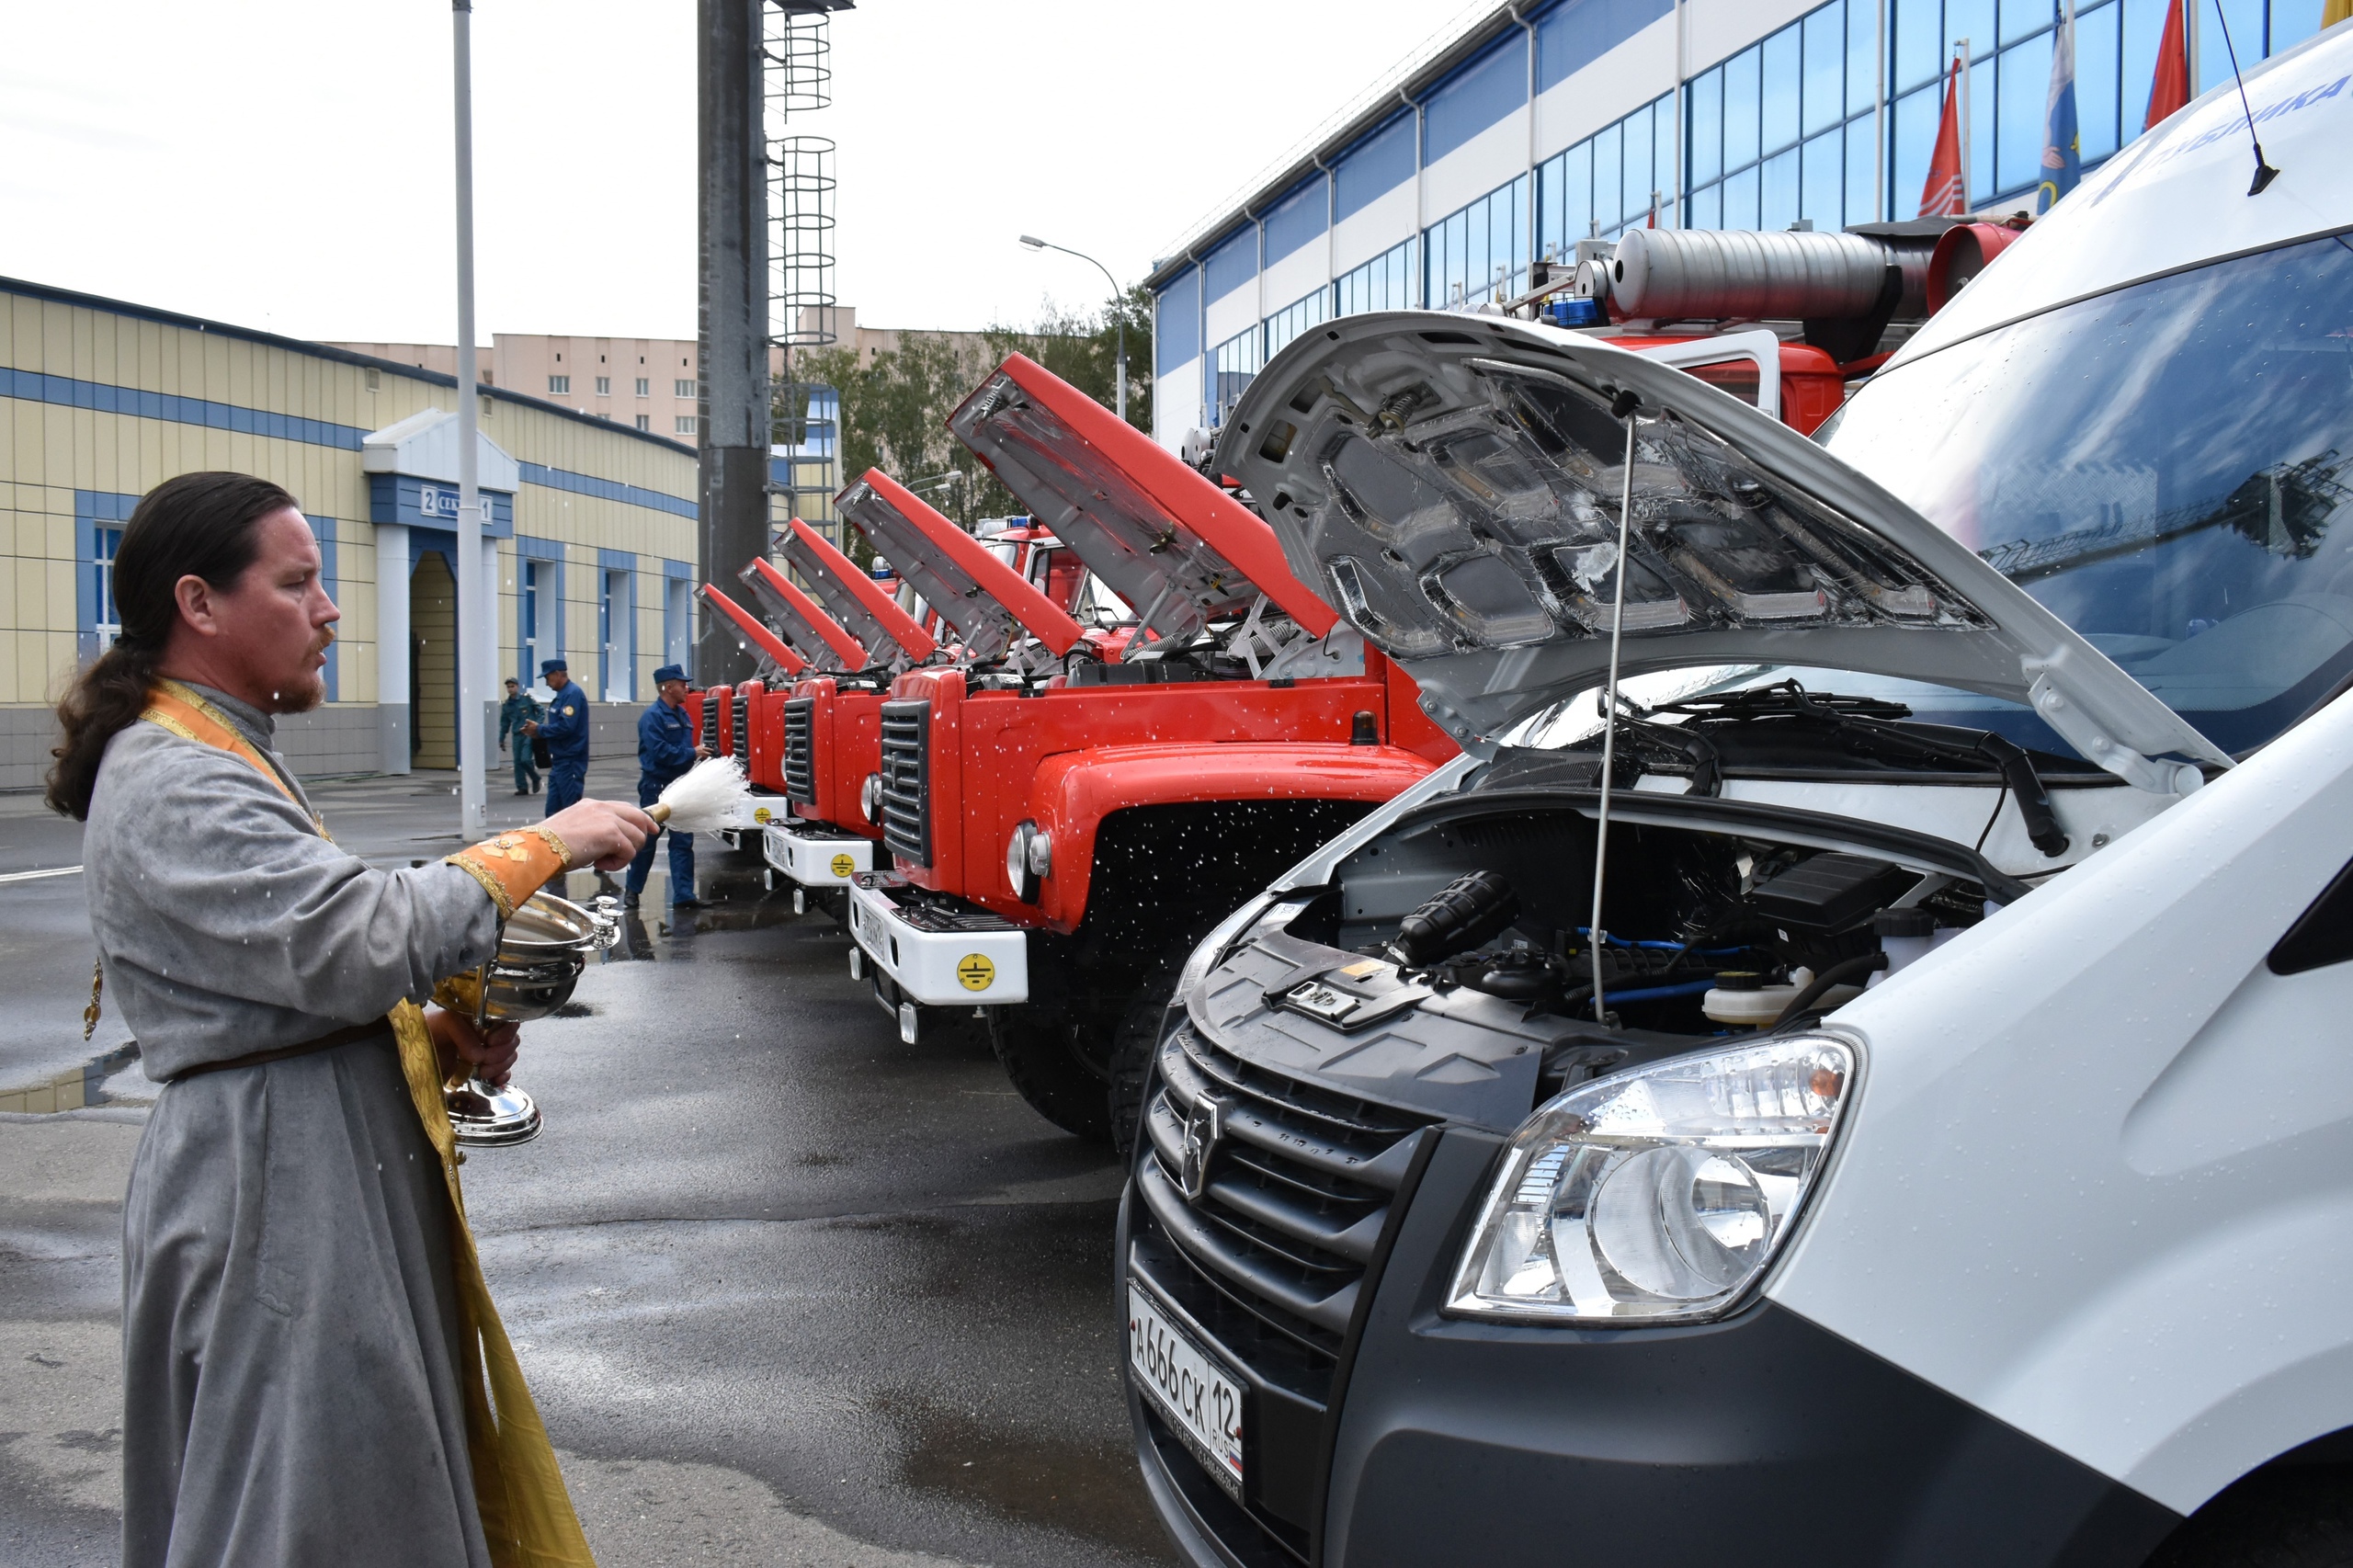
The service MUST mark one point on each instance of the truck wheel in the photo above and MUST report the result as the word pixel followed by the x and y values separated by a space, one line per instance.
pixel 1134 1045
pixel 1039 1050
pixel 2292 1517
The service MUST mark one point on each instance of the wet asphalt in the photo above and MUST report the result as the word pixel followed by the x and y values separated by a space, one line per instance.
pixel 787 1290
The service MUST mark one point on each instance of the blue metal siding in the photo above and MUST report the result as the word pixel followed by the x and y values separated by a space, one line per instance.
pixel 1475 96
pixel 1177 323
pixel 1373 167
pixel 1297 218
pixel 1574 35
pixel 1233 263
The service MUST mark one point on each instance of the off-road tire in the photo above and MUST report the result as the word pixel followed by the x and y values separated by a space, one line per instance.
pixel 1135 1043
pixel 2290 1516
pixel 1037 1048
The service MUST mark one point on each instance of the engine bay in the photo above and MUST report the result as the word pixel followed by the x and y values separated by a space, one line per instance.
pixel 1449 966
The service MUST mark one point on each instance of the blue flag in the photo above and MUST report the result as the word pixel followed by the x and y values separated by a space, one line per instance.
pixel 2062 149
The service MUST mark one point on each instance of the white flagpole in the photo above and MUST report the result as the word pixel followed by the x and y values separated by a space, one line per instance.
pixel 473 624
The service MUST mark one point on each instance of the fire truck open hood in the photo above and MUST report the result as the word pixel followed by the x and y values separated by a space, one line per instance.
pixel 888 634
pixel 988 603
pixel 1169 543
pixel 813 634
pixel 1452 483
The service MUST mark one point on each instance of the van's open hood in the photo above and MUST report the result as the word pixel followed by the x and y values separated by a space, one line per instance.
pixel 988 603
pixel 1451 483
pixel 1169 543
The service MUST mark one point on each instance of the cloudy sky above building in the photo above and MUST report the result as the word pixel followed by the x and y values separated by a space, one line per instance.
pixel 286 165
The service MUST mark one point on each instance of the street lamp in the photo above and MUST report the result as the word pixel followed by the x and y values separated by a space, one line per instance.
pixel 1118 303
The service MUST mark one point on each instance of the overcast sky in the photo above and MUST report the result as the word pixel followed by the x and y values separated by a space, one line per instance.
pixel 286 164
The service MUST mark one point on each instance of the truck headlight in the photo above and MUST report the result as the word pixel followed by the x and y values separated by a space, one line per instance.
pixel 870 798
pixel 1659 1194
pixel 1028 859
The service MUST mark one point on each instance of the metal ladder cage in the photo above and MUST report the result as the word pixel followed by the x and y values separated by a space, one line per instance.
pixel 796 50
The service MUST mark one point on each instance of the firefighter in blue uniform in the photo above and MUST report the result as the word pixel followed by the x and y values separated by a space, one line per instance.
pixel 565 728
pixel 666 748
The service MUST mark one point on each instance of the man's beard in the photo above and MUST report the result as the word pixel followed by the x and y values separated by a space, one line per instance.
pixel 301 696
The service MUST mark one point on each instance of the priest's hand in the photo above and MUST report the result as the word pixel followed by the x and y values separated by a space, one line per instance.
pixel 469 1051
pixel 603 834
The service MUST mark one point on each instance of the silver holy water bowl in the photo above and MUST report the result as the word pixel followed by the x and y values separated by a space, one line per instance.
pixel 541 951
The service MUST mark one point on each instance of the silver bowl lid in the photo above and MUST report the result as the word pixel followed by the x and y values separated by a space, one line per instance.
pixel 545 927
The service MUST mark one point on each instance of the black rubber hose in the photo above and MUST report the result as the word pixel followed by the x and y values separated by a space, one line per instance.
pixel 2034 801
pixel 1842 974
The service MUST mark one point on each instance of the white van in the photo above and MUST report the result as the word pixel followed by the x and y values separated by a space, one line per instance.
pixel 1943 1152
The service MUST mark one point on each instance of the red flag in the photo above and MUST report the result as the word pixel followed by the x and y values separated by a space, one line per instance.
pixel 1943 196
pixel 2170 90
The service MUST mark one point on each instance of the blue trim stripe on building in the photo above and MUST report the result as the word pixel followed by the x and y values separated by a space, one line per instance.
pixel 64 392
pixel 608 489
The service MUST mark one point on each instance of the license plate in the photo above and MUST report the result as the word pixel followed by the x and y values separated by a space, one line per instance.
pixel 1188 1388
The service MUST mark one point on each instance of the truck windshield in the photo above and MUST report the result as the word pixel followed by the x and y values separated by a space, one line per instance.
pixel 2163 467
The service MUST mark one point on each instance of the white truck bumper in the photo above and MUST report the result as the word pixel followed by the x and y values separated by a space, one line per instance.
pixel 937 956
pixel 816 857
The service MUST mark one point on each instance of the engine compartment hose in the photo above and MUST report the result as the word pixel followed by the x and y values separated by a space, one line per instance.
pixel 1458 917
pixel 1845 972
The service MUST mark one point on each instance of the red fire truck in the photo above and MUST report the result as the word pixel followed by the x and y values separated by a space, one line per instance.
pixel 1060 843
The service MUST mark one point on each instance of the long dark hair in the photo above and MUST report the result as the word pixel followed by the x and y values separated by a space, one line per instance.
pixel 200 525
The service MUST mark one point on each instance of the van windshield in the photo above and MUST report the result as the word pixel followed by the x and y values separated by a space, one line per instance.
pixel 2168 468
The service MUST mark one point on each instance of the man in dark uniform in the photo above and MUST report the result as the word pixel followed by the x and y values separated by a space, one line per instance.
pixel 565 730
pixel 666 748
pixel 513 714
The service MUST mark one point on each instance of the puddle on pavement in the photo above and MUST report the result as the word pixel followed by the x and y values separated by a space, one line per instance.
pixel 77 1088
pixel 1091 1491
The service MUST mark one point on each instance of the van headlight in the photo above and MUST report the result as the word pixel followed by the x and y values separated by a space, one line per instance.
pixel 1659 1194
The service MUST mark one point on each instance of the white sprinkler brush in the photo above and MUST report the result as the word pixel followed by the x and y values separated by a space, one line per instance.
pixel 709 796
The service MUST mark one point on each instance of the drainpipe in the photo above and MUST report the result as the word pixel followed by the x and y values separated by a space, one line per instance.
pixel 1330 239
pixel 1682 70
pixel 1421 197
pixel 1880 207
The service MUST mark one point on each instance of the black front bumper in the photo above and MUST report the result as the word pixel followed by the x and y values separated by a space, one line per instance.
pixel 1761 1440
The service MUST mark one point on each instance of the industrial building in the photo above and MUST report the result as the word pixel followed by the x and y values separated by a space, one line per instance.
pixel 1542 125
pixel 590 523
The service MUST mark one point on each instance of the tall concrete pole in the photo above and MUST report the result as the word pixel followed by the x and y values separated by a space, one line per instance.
pixel 472 619
pixel 733 319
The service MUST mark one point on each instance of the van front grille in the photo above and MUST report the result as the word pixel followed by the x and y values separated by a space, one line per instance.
pixel 800 750
pixel 906 781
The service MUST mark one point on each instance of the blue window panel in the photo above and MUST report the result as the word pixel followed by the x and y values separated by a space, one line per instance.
pixel 1740 108
pixel 1915 120
pixel 1918 43
pixel 1777 195
pixel 2293 21
pixel 1663 178
pixel 1236 363
pixel 1233 263
pixel 1295 318
pixel 1822 192
pixel 1705 141
pixel 2097 100
pixel 1983 78
pixel 2244 19
pixel 1176 322
pixel 1373 167
pixel 1706 207
pixel 1609 176
pixel 1572 36
pixel 1974 20
pixel 1863 205
pixel 1862 43
pixel 1826 67
pixel 2025 94
pixel 1296 219
pixel 1635 133
pixel 1740 199
pixel 322 530
pixel 1475 96
pixel 2020 18
pixel 1384 283
pixel 2143 28
pixel 1567 213
pixel 1783 80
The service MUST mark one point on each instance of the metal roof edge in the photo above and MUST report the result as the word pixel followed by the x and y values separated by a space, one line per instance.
pixel 57 296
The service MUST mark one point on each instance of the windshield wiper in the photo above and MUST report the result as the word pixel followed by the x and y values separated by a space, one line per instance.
pixel 1870 725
